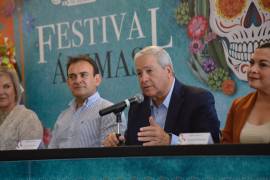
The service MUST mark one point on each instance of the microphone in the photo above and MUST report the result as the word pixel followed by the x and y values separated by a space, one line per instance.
pixel 116 108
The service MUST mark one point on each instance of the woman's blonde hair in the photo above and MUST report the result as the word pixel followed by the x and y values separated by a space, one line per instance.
pixel 11 72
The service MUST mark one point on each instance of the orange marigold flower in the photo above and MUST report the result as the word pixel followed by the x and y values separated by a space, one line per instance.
pixel 228 87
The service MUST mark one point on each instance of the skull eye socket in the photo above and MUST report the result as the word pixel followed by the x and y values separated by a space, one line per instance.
pixel 230 9
pixel 265 4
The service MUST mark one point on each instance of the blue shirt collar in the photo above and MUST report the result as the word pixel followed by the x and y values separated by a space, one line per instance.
pixel 88 102
pixel 167 100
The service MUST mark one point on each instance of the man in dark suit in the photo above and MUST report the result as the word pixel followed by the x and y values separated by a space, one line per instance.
pixel 169 107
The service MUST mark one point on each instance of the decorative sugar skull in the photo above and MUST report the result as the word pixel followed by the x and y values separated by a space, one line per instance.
pixel 242 25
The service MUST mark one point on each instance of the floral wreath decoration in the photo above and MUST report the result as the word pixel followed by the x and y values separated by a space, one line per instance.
pixel 207 61
pixel 7 56
pixel 7 53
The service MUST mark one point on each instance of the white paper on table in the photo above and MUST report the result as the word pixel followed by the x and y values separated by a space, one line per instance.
pixel 195 138
pixel 28 144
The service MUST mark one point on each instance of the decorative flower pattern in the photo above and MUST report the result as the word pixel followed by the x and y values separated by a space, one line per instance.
pixel 196 46
pixel 208 65
pixel 209 37
pixel 197 27
pixel 7 52
pixel 228 87
pixel 7 7
pixel 206 61
pixel 10 8
pixel 216 78
pixel 182 13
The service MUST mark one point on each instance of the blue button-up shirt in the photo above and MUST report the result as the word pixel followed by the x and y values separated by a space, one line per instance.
pixel 83 126
pixel 87 103
pixel 160 112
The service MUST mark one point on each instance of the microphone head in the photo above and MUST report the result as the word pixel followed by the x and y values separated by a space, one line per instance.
pixel 139 98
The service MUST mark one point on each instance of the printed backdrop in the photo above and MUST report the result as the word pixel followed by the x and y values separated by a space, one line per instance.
pixel 206 51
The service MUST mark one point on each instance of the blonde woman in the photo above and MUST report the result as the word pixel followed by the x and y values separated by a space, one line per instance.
pixel 16 121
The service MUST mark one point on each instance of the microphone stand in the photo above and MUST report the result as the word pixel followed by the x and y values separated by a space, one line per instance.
pixel 118 121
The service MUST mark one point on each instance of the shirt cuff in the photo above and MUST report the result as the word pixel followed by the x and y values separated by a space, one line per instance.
pixel 174 139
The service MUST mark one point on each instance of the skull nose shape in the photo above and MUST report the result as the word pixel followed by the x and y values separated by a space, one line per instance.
pixel 252 17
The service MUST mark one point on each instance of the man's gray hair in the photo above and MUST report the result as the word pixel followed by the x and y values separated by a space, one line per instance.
pixel 163 58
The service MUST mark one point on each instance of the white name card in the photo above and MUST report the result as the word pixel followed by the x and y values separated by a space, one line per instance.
pixel 195 138
pixel 28 144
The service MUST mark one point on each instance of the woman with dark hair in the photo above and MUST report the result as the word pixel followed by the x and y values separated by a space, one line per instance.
pixel 248 120
pixel 16 121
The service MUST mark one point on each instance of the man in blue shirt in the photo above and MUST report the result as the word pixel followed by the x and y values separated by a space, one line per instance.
pixel 169 107
pixel 80 125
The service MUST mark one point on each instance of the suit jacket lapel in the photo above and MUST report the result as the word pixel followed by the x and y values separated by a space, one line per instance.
pixel 175 105
pixel 146 112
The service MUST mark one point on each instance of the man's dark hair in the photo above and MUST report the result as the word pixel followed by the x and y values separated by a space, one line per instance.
pixel 264 45
pixel 86 58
